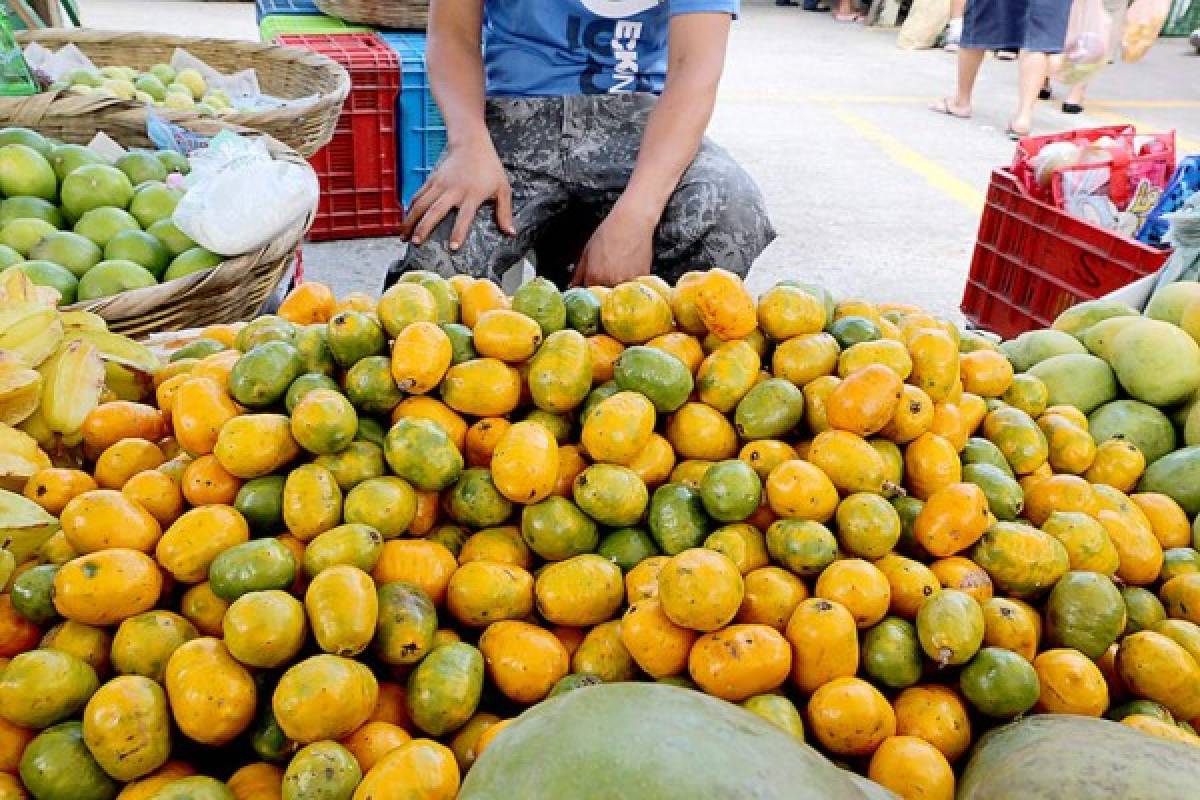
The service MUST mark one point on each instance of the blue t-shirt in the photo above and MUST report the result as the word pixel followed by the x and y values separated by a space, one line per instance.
pixel 565 47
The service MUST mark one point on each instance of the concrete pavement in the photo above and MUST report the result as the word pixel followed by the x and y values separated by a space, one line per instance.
pixel 873 195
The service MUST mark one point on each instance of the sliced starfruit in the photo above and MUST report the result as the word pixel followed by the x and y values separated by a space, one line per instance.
pixel 20 389
pixel 34 337
pixel 71 385
pixel 16 289
pixel 24 525
pixel 35 426
pixel 82 321
pixel 8 565
pixel 20 457
pixel 119 349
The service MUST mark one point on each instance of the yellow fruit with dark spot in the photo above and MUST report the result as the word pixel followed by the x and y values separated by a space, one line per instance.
pixel 803 359
pixel 700 589
pixel 618 428
pixel 725 306
pixel 864 402
pixel 849 461
pixel 633 313
pixel 850 717
pixel 727 374
pixel 421 354
pixel 525 463
pixel 481 387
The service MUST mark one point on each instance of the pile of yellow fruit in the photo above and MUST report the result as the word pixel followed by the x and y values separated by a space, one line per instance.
pixel 336 551
pixel 161 85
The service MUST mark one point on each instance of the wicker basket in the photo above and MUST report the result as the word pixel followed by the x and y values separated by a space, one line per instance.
pixel 410 14
pixel 233 290
pixel 283 72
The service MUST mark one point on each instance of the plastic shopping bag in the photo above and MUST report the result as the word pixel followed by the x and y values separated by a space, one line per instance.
pixel 239 198
pixel 1086 50
pixel 1143 22
pixel 925 22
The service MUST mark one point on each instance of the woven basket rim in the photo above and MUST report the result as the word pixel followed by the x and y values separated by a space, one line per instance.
pixel 408 14
pixel 226 275
pixel 327 105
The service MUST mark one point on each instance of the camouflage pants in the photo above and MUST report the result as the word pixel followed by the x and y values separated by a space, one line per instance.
pixel 568 159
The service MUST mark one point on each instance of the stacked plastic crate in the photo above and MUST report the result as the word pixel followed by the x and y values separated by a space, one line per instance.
pixel 277 17
pixel 357 170
pixel 422 130
pixel 383 148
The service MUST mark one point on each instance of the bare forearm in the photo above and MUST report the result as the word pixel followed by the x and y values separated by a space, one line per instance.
pixel 470 174
pixel 676 126
pixel 455 65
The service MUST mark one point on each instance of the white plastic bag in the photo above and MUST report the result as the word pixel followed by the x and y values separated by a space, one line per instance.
pixel 925 22
pixel 1086 49
pixel 239 198
pixel 56 64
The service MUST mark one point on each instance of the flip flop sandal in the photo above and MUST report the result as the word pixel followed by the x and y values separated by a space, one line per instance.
pixel 1072 108
pixel 943 107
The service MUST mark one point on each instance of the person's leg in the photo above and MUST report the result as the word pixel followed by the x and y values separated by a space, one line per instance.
pixel 716 217
pixel 1074 102
pixel 969 61
pixel 1045 24
pixel 847 11
pixel 1031 77
pixel 954 28
pixel 559 244
pixel 526 134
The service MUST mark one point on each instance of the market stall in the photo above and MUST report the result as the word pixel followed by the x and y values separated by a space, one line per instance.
pixel 651 541
pixel 365 546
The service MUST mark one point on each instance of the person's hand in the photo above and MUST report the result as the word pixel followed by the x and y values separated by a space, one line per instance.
pixel 620 250
pixel 468 177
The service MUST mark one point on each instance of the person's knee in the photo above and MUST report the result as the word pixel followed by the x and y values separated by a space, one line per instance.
pixel 720 221
pixel 477 256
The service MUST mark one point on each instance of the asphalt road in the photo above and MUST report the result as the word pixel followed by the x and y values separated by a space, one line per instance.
pixel 873 195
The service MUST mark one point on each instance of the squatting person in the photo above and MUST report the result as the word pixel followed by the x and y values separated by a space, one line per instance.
pixel 576 133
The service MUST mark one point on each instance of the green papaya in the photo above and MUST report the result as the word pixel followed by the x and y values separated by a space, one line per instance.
pixel 770 410
pixel 892 653
pixel 677 518
pixel 261 377
pixel 1005 498
pixel 1085 611
pixel 657 374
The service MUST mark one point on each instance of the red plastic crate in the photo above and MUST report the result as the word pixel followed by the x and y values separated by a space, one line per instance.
pixel 1033 261
pixel 357 169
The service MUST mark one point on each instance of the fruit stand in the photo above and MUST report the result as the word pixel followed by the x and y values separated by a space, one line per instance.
pixel 650 541
pixel 400 546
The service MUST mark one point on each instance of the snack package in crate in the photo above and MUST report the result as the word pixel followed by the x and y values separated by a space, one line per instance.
pixel 1112 176
pixel 1184 185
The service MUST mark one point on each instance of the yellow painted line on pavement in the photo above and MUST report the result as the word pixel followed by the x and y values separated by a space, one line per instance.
pixel 929 170
pixel 735 96
pixel 1144 104
pixel 799 98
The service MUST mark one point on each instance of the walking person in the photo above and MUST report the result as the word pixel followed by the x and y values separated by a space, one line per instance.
pixel 1034 28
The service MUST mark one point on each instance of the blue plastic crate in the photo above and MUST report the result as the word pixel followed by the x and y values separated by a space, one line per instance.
pixel 422 129
pixel 263 8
